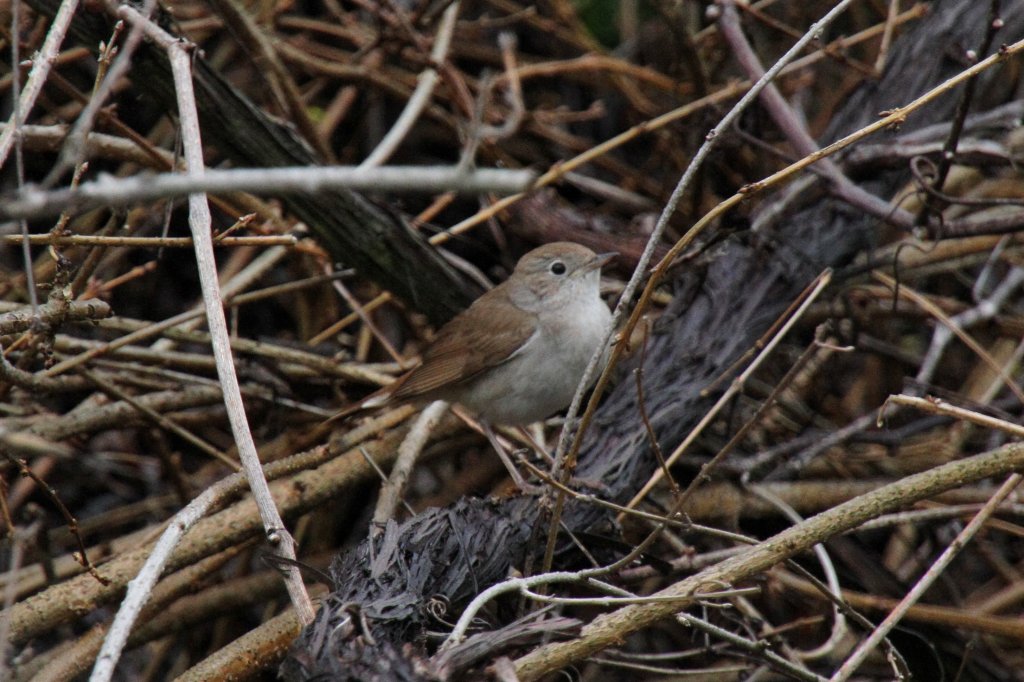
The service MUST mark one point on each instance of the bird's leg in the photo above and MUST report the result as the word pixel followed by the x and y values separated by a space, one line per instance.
pixel 537 445
pixel 517 478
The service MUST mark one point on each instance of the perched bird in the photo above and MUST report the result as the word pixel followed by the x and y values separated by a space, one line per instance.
pixel 517 354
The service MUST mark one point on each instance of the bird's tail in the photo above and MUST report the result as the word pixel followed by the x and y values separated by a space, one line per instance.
pixel 378 398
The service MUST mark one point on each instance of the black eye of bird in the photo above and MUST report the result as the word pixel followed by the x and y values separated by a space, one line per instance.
pixel 558 267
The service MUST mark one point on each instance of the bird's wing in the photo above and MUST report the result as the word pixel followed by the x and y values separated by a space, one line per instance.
pixel 481 337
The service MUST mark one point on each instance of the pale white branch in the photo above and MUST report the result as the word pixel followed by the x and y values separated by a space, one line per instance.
pixel 106 190
pixel 200 224
pixel 41 64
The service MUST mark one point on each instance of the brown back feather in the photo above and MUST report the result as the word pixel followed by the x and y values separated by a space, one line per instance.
pixel 483 336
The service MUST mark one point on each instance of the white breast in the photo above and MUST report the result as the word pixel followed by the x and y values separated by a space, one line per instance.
pixel 542 377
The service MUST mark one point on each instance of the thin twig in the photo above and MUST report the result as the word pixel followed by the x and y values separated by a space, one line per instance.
pixel 680 500
pixel 737 384
pixel 641 403
pixel 795 129
pixel 839 628
pixel 932 309
pixel 890 26
pixel 984 311
pixel 930 205
pixel 565 460
pixel 718 98
pixel 523 585
pixel 939 406
pixel 42 62
pixel 82 558
pixel 611 628
pixel 53 314
pixel 161 420
pixel 229 289
pixel 758 649
pixel 74 148
pixel 142 585
pixel 425 83
pixel 17 118
pixel 147 242
pixel 408 452
pixel 868 645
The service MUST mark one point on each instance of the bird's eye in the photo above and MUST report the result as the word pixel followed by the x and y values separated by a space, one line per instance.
pixel 558 268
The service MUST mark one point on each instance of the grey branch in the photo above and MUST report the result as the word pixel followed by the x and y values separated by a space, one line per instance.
pixel 109 191
pixel 17 321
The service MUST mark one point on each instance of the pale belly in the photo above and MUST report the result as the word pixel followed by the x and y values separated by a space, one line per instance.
pixel 539 381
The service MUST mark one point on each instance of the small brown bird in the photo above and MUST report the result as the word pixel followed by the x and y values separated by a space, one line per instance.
pixel 517 354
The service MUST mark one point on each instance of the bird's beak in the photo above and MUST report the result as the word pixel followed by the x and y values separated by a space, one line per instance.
pixel 601 260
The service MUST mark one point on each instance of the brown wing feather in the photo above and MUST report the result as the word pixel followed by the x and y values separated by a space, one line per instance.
pixel 485 335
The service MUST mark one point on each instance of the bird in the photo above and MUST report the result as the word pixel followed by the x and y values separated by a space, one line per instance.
pixel 517 354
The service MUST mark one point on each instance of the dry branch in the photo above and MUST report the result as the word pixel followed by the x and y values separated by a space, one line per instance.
pixel 352 229
pixel 739 294
pixel 294 495
pixel 609 124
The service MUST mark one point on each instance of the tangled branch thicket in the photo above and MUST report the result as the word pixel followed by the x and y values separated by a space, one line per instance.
pixel 798 505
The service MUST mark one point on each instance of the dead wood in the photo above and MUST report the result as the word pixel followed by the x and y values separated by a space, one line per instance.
pixel 717 314
pixel 116 419
pixel 353 230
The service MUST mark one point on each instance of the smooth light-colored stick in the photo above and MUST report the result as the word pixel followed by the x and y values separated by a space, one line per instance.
pixel 200 223
pixel 110 191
